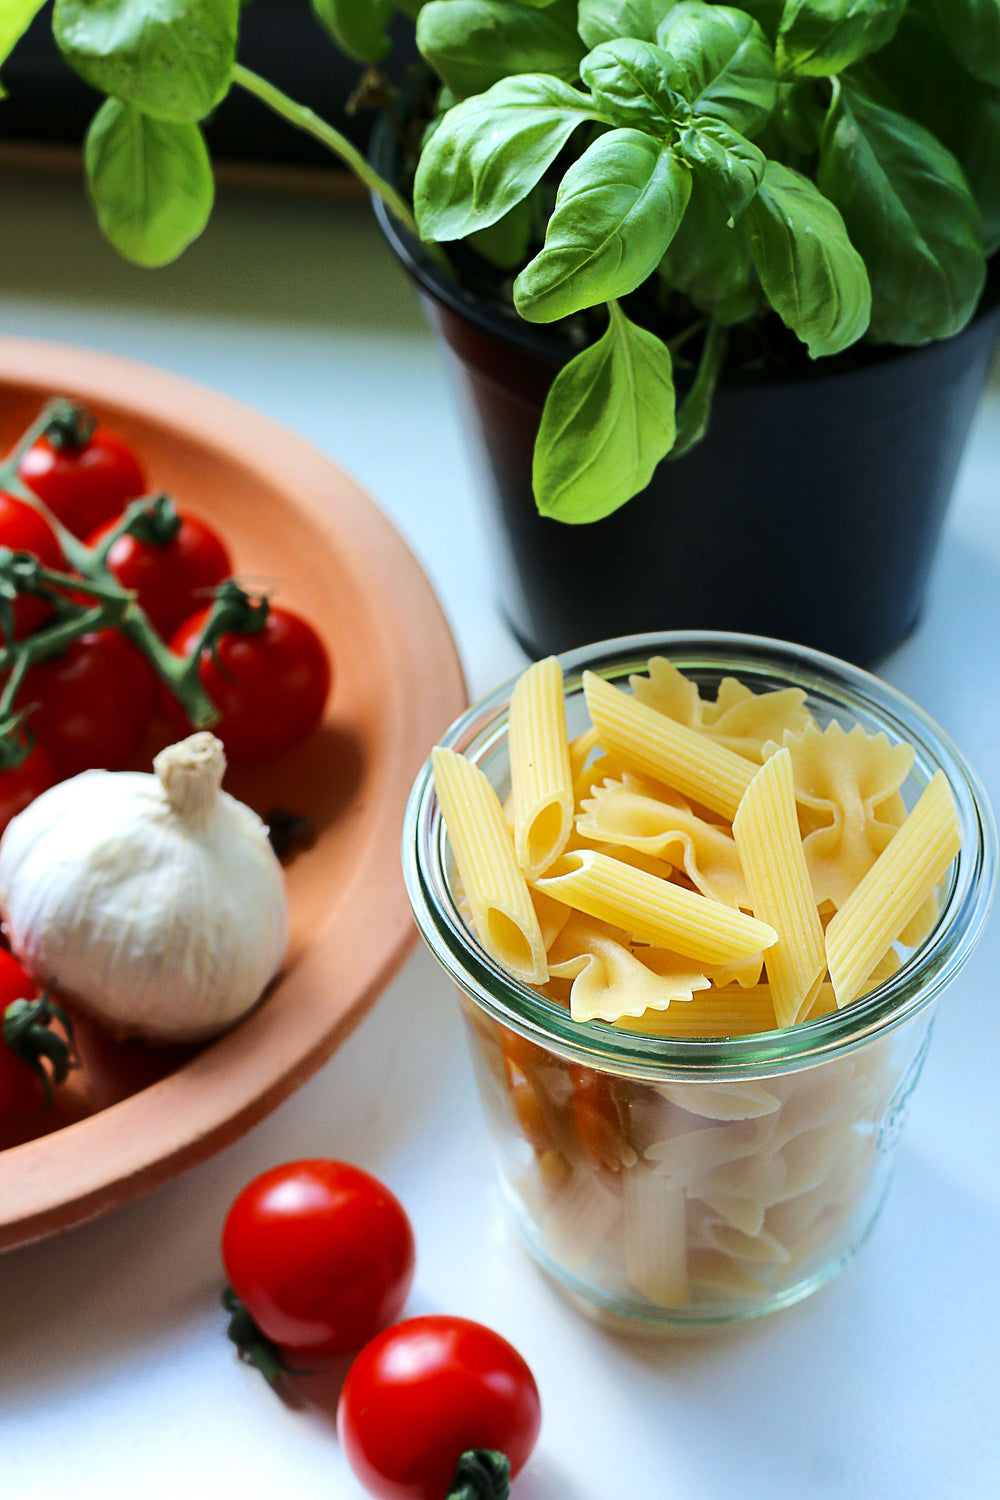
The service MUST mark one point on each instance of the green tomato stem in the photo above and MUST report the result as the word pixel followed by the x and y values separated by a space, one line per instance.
pixel 482 1474
pixel 27 1032
pixel 252 1345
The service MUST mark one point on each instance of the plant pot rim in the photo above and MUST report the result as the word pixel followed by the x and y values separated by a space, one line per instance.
pixel 546 343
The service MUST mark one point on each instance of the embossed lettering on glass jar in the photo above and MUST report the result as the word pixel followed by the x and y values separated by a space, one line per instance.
pixel 681 1181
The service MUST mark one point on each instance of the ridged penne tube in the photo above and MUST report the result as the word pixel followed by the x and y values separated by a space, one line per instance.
pixel 655 911
pixel 495 888
pixel 580 1218
pixel 894 889
pixel 766 830
pixel 714 1013
pixel 540 772
pixel 655 1238
pixel 691 763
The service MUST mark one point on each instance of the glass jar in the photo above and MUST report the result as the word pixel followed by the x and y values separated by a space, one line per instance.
pixel 685 1181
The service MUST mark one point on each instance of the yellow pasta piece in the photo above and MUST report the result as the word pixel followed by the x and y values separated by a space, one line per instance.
pixel 655 911
pixel 610 981
pixel 740 720
pixel 495 889
pixel 893 814
pixel 680 757
pixel 893 890
pixel 716 1013
pixel 766 829
pixel 540 771
pixel 665 827
pixel 655 1238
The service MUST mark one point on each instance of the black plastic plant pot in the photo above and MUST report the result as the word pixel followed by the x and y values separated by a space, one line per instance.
pixel 811 511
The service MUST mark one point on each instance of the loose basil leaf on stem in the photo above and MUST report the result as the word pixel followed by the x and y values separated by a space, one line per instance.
pixel 607 20
pixel 635 84
pixel 696 408
pixel 490 151
pixel 172 59
pixel 616 211
pixel 15 18
pixel 819 37
pixel 607 421
pixel 909 212
pixel 731 163
pixel 727 62
pixel 972 29
pixel 811 273
pixel 358 27
pixel 709 260
pixel 473 44
pixel 150 182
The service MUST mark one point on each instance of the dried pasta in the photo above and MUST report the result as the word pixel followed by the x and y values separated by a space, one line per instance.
pixel 540 770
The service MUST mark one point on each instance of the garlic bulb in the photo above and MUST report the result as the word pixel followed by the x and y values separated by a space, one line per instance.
pixel 155 902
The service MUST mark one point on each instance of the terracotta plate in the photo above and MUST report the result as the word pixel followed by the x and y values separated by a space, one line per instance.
pixel 300 527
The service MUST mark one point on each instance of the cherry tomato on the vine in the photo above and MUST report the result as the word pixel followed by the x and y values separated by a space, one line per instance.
pixel 22 529
pixel 91 706
pixel 320 1254
pixel 22 1094
pixel 87 484
pixel 172 580
pixel 21 784
pixel 269 685
pixel 425 1392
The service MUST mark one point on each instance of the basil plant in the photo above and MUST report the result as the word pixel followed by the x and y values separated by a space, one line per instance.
pixel 833 162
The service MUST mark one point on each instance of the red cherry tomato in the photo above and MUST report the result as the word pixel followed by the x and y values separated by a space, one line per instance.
pixel 22 1094
pixel 269 685
pixel 22 784
pixel 84 485
pixel 426 1391
pixel 172 580
pixel 320 1254
pixel 92 705
pixel 22 529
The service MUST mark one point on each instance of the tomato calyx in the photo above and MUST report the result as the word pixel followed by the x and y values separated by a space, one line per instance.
pixel 152 519
pixel 68 425
pixel 253 1345
pixel 27 1031
pixel 481 1474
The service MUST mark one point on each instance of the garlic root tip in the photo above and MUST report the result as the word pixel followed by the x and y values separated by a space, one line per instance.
pixel 191 774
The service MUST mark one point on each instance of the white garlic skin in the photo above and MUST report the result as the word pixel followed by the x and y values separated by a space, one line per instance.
pixel 154 926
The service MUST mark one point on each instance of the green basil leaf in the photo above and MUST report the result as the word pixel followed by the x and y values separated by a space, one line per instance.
pixel 617 210
pixel 505 243
pixel 727 159
pixel 972 30
pixel 909 211
pixel 150 182
pixel 359 27
pixel 727 61
pixel 811 273
pixel 15 18
pixel 818 37
pixel 607 20
pixel 173 59
pixel 634 83
pixel 488 152
pixel 709 260
pixel 800 113
pixel 473 44
pixel 607 421
pixel 696 408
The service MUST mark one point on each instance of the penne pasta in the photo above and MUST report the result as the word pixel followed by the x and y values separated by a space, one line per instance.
pixel 691 763
pixel 540 771
pixel 495 888
pixel 655 911
pixel 655 1238
pixel 715 1013
pixel 893 891
pixel 766 830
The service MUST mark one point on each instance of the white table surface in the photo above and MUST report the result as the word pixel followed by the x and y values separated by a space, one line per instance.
pixel 117 1379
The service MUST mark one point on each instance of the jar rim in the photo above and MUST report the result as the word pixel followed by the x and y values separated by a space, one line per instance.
pixel 919 980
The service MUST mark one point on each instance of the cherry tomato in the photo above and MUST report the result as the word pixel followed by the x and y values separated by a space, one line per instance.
pixel 320 1254
pixel 22 529
pixel 84 484
pixel 269 686
pixel 92 705
pixel 425 1392
pixel 172 580
pixel 22 1094
pixel 21 784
